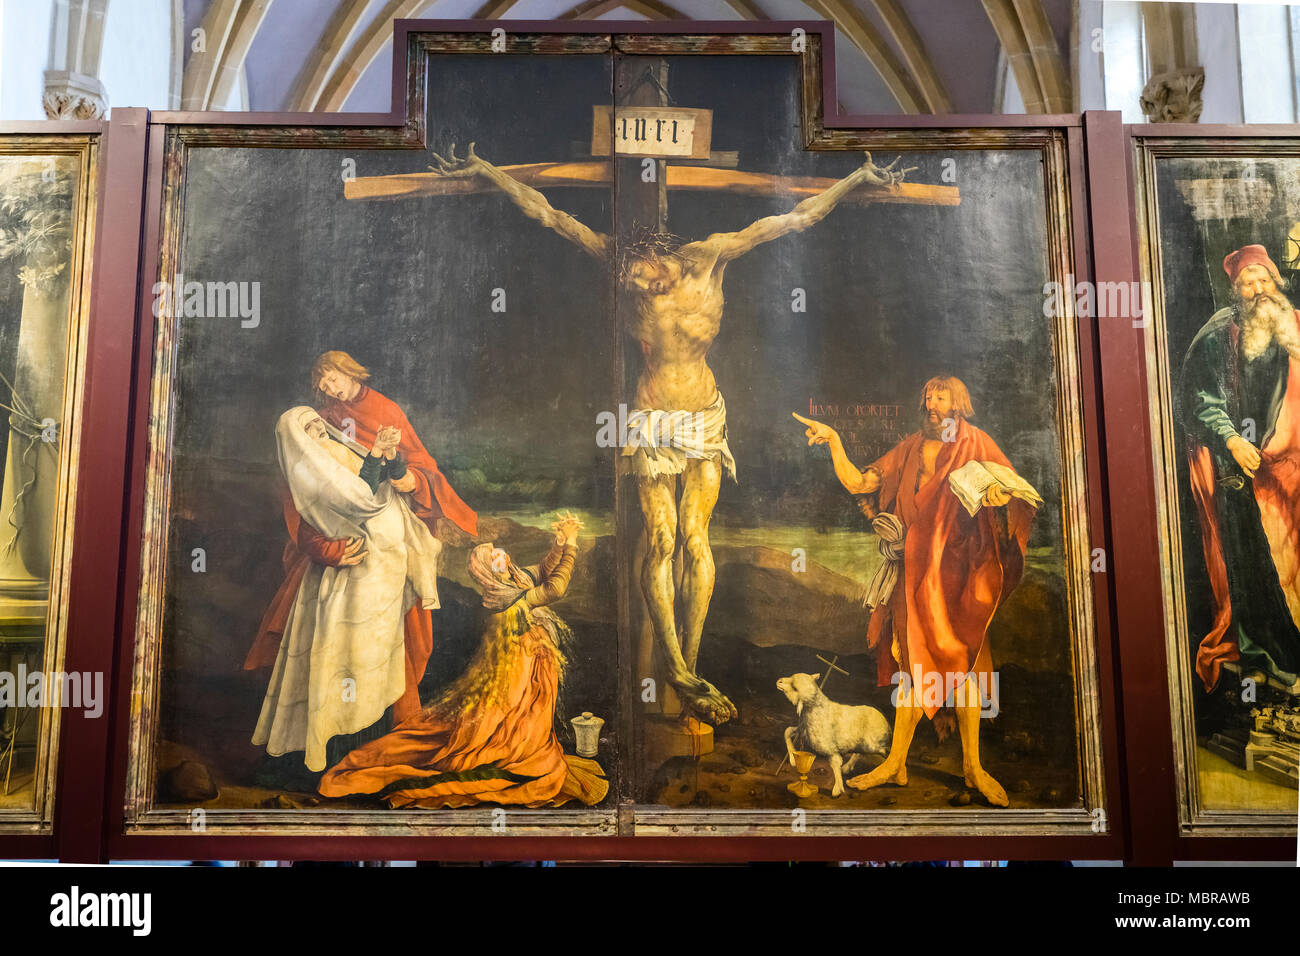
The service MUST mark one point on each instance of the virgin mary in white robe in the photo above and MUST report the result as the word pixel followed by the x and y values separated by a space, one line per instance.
pixel 342 658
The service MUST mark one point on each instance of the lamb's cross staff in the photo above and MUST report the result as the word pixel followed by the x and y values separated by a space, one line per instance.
pixel 671 291
pixel 830 666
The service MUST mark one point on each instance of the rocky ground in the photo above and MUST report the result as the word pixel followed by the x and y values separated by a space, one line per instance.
pixel 1032 757
pixel 765 622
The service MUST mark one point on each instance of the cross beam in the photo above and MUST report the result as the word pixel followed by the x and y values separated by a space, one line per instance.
pixel 688 178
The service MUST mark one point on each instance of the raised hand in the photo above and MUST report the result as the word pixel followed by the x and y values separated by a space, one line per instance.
pixel 457 168
pixel 818 433
pixel 566 529
pixel 886 176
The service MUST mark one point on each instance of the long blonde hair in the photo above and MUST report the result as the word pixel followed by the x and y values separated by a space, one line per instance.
pixel 507 637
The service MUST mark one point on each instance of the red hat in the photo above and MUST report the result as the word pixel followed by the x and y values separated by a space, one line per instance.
pixel 1253 255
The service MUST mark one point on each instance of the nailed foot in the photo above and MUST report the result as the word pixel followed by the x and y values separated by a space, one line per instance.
pixel 704 701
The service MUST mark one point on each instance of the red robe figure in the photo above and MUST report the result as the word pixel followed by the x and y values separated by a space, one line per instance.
pixel 353 407
pixel 1238 398
pixel 946 571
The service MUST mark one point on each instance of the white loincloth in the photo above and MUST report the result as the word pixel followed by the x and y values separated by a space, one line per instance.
pixel 661 442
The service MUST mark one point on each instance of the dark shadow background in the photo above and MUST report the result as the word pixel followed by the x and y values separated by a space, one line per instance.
pixel 895 294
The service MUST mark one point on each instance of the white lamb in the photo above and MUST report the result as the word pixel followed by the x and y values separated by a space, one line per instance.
pixel 832 730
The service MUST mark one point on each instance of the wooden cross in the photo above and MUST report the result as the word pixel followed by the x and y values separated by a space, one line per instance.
pixel 638 201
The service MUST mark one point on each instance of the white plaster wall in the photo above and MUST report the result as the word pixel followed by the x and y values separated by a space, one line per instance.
pixel 1216 40
pixel 135 62
pixel 24 53
pixel 1091 83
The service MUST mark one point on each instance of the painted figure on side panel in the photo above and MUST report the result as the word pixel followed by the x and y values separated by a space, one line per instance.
pixel 953 519
pixel 357 421
pixel 341 662
pixel 674 293
pixel 1239 398
pixel 490 737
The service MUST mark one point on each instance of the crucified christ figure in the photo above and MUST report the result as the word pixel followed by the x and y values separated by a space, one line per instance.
pixel 674 290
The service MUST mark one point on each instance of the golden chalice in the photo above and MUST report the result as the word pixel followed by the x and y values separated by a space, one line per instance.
pixel 803 762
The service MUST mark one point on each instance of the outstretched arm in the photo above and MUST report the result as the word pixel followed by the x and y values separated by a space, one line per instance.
pixel 729 245
pixel 854 481
pixel 532 203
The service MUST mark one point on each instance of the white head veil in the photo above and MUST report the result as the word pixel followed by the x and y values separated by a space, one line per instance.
pixel 328 496
pixel 346 621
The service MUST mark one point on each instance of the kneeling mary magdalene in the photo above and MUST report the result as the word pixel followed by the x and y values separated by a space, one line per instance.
pixel 489 737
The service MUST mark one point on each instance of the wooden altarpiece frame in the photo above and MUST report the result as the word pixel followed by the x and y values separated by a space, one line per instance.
pixel 117 822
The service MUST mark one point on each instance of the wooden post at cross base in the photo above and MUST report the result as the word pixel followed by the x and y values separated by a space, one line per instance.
pixel 642 82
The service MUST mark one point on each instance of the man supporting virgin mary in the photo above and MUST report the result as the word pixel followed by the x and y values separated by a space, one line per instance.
pixel 352 407
pixel 341 662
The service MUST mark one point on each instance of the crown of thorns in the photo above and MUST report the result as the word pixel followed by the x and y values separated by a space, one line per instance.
pixel 642 244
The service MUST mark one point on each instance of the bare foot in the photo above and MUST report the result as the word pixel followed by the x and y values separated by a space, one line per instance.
pixel 979 779
pixel 705 702
pixel 885 773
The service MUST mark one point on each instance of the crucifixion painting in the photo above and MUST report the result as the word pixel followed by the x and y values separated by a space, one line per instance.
pixel 671 294
pixel 654 580
pixel 675 298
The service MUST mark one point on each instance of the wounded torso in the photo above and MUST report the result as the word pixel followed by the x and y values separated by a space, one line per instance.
pixel 675 330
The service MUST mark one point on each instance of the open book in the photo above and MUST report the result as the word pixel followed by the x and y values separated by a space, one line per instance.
pixel 971 480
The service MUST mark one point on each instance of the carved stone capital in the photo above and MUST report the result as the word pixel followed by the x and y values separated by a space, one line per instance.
pixel 73 96
pixel 1174 97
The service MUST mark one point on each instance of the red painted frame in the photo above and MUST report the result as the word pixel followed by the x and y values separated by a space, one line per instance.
pixel 1135 732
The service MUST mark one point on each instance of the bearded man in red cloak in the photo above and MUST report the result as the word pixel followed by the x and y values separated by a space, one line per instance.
pixel 360 413
pixel 953 518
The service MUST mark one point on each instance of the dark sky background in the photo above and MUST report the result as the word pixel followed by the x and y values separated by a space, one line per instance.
pixel 507 402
